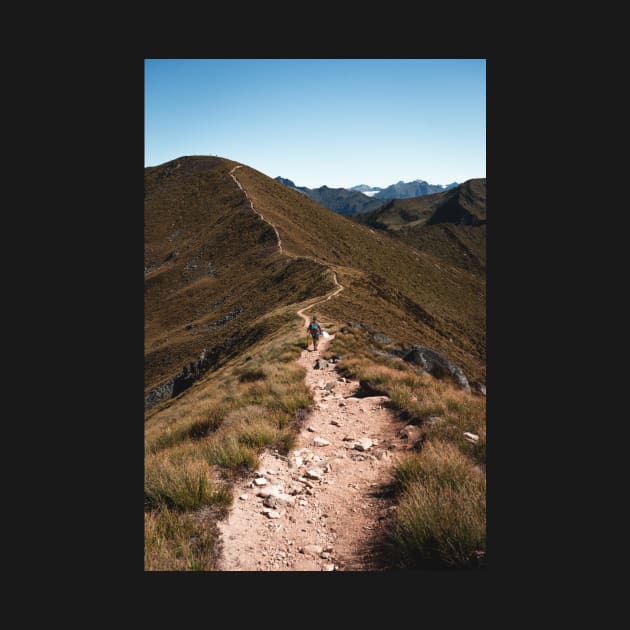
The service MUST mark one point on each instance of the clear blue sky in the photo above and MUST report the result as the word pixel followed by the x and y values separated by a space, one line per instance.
pixel 339 122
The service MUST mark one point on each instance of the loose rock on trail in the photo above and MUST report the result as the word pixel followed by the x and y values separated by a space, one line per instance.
pixel 319 508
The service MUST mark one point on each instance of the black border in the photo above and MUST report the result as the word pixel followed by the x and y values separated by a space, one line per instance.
pixel 113 192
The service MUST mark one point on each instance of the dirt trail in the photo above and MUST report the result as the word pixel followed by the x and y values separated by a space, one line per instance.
pixel 326 506
pixel 251 203
pixel 318 508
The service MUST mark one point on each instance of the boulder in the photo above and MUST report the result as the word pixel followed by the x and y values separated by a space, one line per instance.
pixel 315 473
pixel 478 388
pixel 363 444
pixel 279 500
pixel 437 364
pixel 410 432
pixel 380 338
pixel 318 441
pixel 269 490
pixel 312 549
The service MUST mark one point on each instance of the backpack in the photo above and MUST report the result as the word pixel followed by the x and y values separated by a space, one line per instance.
pixel 314 327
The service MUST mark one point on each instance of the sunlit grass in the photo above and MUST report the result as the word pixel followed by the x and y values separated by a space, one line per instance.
pixel 441 516
pixel 175 541
pixel 186 486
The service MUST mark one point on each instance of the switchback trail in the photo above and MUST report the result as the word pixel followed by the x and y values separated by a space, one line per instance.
pixel 319 508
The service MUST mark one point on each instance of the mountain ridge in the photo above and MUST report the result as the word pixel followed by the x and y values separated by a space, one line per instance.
pixel 450 224
pixel 363 198
pixel 207 255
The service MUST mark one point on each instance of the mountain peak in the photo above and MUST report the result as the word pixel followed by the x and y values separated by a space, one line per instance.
pixel 286 182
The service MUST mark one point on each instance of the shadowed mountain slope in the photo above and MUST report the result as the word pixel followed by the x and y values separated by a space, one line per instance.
pixel 450 224
pixel 404 190
pixel 340 200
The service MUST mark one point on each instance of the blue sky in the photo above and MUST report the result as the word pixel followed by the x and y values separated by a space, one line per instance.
pixel 339 122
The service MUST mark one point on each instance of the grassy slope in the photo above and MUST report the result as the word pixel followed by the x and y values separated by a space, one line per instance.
pixel 200 440
pixel 408 294
pixel 197 443
pixel 197 211
pixel 433 223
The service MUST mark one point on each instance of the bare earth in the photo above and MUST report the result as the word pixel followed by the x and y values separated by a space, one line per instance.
pixel 318 524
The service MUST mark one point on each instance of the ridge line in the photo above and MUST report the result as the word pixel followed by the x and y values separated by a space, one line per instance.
pixel 300 312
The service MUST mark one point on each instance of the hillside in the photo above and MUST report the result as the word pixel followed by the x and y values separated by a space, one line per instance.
pixel 366 459
pixel 214 277
pixel 213 273
pixel 400 291
pixel 340 200
pixel 449 224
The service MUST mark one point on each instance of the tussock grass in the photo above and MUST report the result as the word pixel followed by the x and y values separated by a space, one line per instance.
pixel 441 517
pixel 216 430
pixel 199 426
pixel 249 376
pixel 177 542
pixel 284 391
pixel 418 397
pixel 439 462
pixel 441 513
pixel 230 454
pixel 186 486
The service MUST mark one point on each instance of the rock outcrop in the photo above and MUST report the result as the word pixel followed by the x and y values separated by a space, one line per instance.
pixel 437 364
pixel 180 382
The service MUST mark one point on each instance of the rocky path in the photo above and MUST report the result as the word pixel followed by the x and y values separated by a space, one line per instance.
pixel 318 509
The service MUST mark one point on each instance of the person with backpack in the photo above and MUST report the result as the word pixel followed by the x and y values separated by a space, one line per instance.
pixel 314 330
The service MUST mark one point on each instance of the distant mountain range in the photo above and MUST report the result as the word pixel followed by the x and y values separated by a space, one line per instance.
pixel 370 191
pixel 339 200
pixel 416 188
pixel 364 198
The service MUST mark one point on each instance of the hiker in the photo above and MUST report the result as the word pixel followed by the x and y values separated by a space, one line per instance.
pixel 314 330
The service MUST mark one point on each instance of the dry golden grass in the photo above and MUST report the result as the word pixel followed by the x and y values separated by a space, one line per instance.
pixel 441 514
pixel 201 423
pixel 184 485
pixel 177 542
pixel 194 449
pixel 440 520
pixel 417 397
